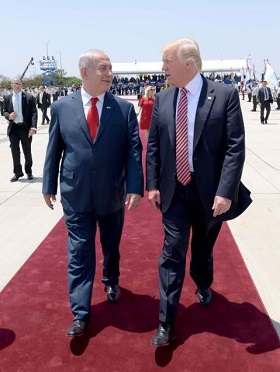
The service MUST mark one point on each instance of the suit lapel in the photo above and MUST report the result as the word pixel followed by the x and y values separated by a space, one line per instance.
pixel 23 104
pixel 107 110
pixel 78 108
pixel 205 102
pixel 171 117
pixel 11 106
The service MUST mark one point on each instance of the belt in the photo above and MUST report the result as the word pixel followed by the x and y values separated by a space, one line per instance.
pixel 22 123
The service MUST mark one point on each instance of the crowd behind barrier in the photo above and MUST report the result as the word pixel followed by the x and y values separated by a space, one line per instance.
pixel 123 86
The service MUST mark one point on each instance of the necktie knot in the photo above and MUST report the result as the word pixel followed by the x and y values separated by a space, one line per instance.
pixel 184 91
pixel 94 100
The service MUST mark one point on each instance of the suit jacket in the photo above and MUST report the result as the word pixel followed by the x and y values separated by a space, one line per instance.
pixel 261 95
pixel 46 100
pixel 218 148
pixel 29 111
pixel 93 175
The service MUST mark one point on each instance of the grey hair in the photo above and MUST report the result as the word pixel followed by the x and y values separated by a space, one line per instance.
pixel 86 58
pixel 187 49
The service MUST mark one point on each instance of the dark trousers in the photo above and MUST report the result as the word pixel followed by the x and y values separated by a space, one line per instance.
pixel 82 258
pixel 19 134
pixel 44 114
pixel 255 103
pixel 265 106
pixel 184 213
pixel 1 108
pixel 278 102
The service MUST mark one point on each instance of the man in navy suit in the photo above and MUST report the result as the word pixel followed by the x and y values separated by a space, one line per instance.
pixel 210 190
pixel 44 102
pixel 265 99
pixel 97 178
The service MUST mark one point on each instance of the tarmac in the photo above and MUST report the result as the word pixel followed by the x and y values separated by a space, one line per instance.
pixel 26 220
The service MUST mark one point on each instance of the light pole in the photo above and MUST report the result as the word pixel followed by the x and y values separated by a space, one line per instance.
pixel 60 62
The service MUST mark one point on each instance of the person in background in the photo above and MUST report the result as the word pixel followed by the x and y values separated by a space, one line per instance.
pixel 265 99
pixel 145 109
pixel 278 96
pixel 94 146
pixel 21 112
pixel 195 157
pixel 1 102
pixel 255 91
pixel 44 102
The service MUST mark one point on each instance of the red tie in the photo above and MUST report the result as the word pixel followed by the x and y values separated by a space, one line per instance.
pixel 93 118
pixel 182 161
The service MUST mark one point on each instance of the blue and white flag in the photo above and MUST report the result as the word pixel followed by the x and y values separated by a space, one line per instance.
pixel 248 78
pixel 270 76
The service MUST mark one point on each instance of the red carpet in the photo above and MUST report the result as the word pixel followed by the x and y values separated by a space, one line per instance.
pixel 233 334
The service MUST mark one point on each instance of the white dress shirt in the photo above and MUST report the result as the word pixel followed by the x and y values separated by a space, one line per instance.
pixel 17 104
pixel 87 103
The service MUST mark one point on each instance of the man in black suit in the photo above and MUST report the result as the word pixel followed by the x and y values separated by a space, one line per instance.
pixel 265 99
pixel 44 102
pixel 100 170
pixel 195 157
pixel 21 112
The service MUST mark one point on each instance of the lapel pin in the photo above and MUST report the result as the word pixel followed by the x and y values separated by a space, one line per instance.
pixel 108 107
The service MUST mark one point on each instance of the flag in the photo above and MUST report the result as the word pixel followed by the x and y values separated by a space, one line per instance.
pixel 248 78
pixel 254 72
pixel 270 76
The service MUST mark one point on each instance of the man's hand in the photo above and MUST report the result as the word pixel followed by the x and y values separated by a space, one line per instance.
pixel 12 116
pixel 49 199
pixel 154 198
pixel 133 200
pixel 31 132
pixel 221 205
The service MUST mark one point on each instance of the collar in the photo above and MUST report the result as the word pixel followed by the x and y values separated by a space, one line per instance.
pixel 17 94
pixel 195 84
pixel 86 97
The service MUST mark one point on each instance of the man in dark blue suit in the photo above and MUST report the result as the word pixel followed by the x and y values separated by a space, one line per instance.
pixel 265 99
pixel 98 176
pixel 195 157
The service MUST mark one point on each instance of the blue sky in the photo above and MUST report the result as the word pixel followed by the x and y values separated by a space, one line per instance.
pixel 128 30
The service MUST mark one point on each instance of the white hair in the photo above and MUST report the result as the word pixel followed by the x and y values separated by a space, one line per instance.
pixel 86 58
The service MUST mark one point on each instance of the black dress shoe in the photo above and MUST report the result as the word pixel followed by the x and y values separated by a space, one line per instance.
pixel 164 335
pixel 77 328
pixel 113 293
pixel 204 296
pixel 16 177
pixel 30 177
